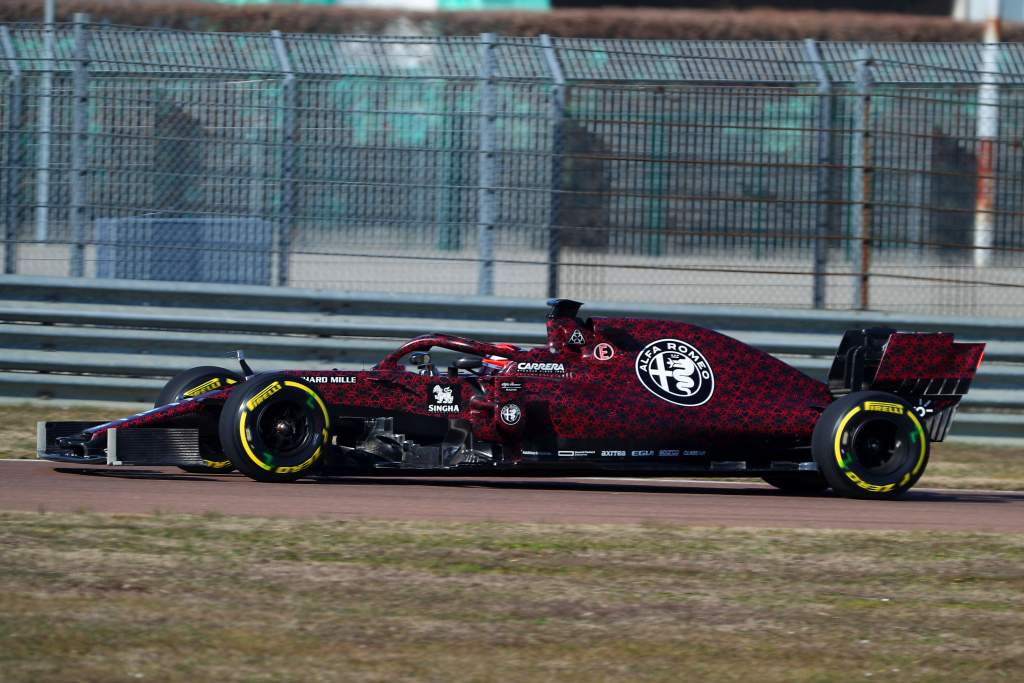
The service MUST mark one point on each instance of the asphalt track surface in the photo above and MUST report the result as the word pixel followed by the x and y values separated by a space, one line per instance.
pixel 34 485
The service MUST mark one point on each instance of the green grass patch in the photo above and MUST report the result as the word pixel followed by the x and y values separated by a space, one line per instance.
pixel 91 597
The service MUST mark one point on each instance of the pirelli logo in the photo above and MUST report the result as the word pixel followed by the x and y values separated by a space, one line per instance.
pixel 263 395
pixel 881 407
pixel 203 388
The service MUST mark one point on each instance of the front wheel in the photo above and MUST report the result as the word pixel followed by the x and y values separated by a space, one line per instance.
pixel 189 384
pixel 274 428
pixel 870 444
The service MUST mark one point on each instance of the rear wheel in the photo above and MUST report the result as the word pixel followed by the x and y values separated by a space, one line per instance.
pixel 800 483
pixel 870 444
pixel 195 382
pixel 274 428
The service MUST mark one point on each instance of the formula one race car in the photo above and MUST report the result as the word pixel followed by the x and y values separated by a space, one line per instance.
pixel 605 395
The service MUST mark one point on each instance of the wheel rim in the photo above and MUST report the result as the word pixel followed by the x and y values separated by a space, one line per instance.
pixel 880 448
pixel 284 427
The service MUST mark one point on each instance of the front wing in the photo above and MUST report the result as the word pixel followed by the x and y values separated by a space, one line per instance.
pixel 59 442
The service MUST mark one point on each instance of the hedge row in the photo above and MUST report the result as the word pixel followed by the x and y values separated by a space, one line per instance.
pixel 763 24
pixel 935 7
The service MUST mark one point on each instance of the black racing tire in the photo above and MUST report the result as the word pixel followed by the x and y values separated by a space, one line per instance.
pixel 870 445
pixel 275 428
pixel 193 382
pixel 797 483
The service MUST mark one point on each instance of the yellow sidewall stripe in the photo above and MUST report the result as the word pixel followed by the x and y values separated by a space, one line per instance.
pixel 839 436
pixel 297 468
pixel 874 487
pixel 208 385
pixel 245 442
pixel 312 393
pixel 924 442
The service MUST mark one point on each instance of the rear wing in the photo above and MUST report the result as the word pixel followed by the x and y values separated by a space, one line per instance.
pixel 929 370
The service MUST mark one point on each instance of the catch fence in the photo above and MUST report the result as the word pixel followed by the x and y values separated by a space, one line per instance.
pixel 828 175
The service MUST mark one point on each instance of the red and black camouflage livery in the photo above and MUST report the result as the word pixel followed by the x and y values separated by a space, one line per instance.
pixel 914 356
pixel 623 394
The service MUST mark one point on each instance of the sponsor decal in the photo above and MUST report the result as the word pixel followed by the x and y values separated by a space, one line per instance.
pixel 669 453
pixel 874 488
pixel 332 379
pixel 217 464
pixel 576 339
pixel 545 368
pixel 923 408
pixel 575 454
pixel 695 454
pixel 604 351
pixel 266 393
pixel 511 387
pixel 642 454
pixel 209 385
pixel 299 467
pixel 613 454
pixel 443 399
pixel 882 407
pixel 510 414
pixel 675 371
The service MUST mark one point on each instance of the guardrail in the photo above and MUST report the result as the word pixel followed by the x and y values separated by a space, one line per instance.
pixel 110 340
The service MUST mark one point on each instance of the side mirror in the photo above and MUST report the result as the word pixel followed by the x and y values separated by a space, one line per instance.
pixel 240 357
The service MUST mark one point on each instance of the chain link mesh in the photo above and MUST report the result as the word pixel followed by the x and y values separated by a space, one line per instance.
pixel 670 172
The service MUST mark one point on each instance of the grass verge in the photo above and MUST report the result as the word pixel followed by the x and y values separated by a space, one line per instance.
pixel 969 466
pixel 18 424
pixel 91 597
pixel 953 465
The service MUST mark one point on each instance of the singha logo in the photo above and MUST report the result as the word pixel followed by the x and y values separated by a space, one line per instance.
pixel 443 399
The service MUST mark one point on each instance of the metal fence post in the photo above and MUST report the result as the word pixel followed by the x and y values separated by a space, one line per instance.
pixel 861 185
pixel 487 191
pixel 557 148
pixel 44 124
pixel 822 229
pixel 15 121
pixel 79 131
pixel 988 131
pixel 286 211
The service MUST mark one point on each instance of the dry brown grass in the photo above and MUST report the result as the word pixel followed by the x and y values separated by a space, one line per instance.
pixel 175 598
pixel 968 466
pixel 18 424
